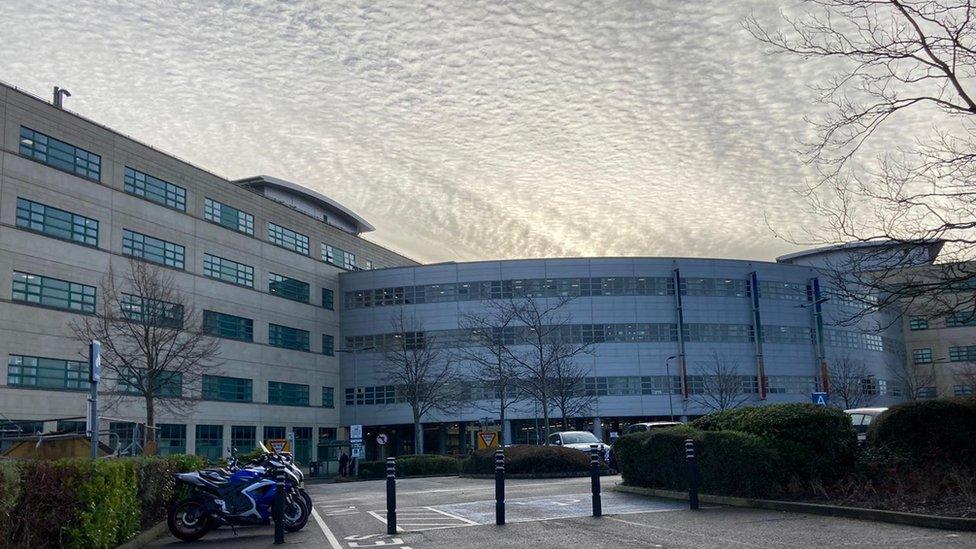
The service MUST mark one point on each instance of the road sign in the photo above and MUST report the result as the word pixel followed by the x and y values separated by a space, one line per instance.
pixel 279 445
pixel 355 432
pixel 382 439
pixel 820 399
pixel 487 439
pixel 357 451
pixel 95 361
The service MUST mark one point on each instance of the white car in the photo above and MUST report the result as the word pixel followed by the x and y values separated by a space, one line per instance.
pixel 578 440
pixel 862 418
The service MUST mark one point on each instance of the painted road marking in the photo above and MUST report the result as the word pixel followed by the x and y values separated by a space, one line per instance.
pixel 333 541
pixel 416 519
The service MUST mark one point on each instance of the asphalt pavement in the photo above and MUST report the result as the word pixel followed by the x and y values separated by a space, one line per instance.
pixel 458 513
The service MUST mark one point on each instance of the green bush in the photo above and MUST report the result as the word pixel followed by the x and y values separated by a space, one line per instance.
pixel 157 487
pixel 813 442
pixel 9 495
pixel 107 493
pixel 729 462
pixel 411 466
pixel 526 459
pixel 928 431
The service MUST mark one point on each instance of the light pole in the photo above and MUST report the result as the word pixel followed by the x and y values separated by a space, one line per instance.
pixel 667 371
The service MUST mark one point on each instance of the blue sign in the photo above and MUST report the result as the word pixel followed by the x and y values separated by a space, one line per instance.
pixel 820 399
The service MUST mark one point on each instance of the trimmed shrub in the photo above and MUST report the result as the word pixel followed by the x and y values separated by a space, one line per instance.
pixel 107 495
pixel 526 459
pixel 411 466
pixel 729 462
pixel 928 431
pixel 813 442
pixel 9 495
pixel 156 484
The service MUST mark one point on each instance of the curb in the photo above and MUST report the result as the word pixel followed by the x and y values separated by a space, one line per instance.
pixel 877 515
pixel 146 536
pixel 570 474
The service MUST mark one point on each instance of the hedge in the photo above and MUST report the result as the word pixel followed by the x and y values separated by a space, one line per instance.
pixel 411 466
pixel 928 431
pixel 525 459
pixel 813 442
pixel 729 462
pixel 83 503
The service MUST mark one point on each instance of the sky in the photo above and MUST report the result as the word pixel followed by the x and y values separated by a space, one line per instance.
pixel 462 130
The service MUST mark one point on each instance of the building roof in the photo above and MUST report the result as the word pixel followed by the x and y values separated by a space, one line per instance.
pixel 362 226
pixel 934 247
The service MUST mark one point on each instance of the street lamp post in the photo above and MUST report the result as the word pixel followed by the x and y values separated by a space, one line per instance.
pixel 667 371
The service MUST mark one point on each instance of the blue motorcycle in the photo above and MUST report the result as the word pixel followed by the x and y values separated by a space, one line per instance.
pixel 242 497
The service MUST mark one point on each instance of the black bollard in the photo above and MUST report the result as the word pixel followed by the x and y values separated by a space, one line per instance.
pixel 391 527
pixel 595 480
pixel 499 486
pixel 694 481
pixel 278 510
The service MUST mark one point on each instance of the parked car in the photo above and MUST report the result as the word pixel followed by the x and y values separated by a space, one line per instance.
pixel 639 428
pixel 577 440
pixel 862 418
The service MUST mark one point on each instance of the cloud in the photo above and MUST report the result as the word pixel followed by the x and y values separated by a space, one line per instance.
pixel 462 130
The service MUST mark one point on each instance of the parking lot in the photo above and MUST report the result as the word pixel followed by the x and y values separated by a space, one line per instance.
pixel 459 513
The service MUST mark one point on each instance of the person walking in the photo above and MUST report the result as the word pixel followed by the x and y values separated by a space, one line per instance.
pixel 343 465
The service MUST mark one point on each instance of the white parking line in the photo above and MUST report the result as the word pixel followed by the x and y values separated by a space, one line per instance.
pixel 333 541
pixel 453 516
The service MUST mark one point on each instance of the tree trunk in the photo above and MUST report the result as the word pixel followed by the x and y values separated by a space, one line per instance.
pixel 501 421
pixel 418 434
pixel 545 422
pixel 149 436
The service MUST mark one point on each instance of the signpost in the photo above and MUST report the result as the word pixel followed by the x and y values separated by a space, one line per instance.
pixel 382 439
pixel 819 398
pixel 356 446
pixel 94 375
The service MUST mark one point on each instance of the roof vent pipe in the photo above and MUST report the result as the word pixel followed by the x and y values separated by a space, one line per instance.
pixel 59 95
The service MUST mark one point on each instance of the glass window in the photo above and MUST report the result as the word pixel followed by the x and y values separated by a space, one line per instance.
pixel 927 392
pixel 152 311
pixel 152 249
pixel 51 221
pixel 210 441
pixel 154 189
pixel 273 432
pixel 339 258
pixel 963 390
pixel 288 288
pixel 53 292
pixel 957 320
pixel 788 291
pixel 172 439
pixel 47 373
pixel 715 287
pixel 166 384
pixel 59 154
pixel 287 337
pixel 328 345
pixel 922 356
pixel 228 326
pixel 228 271
pixel 287 238
pixel 328 397
pixel 288 394
pixel 962 354
pixel 226 389
pixel 230 217
pixel 328 299
pixel 243 437
pixel 303 444
pixel 918 323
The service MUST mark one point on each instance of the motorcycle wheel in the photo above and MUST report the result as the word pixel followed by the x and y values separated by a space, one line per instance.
pixel 184 528
pixel 307 498
pixel 296 514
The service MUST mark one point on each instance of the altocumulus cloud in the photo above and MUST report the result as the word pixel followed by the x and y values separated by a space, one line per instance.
pixel 463 130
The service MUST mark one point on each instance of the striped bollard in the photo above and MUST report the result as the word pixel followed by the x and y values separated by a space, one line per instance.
pixel 499 486
pixel 694 481
pixel 391 527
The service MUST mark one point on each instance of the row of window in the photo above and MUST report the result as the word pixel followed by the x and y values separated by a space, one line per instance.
pixel 52 373
pixel 964 353
pixel 572 287
pixel 209 439
pixel 242 329
pixel 64 156
pixel 955 320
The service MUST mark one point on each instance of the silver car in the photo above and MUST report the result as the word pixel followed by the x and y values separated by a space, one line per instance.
pixel 862 418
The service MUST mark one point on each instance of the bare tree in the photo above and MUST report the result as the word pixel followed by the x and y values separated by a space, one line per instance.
pixel 912 378
pixel 894 58
pixel 544 343
pixel 721 384
pixel 494 368
pixel 851 385
pixel 152 342
pixel 422 373
pixel 569 394
pixel 966 376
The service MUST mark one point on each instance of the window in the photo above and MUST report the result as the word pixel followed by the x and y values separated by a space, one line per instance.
pixel 288 394
pixel 927 392
pixel 303 444
pixel 226 389
pixel 288 288
pixel 328 345
pixel 56 223
pixel 243 437
pixel 154 189
pixel 172 439
pixel 228 326
pixel 152 249
pixel 53 292
pixel 383 394
pixel 328 397
pixel 60 155
pixel 328 299
pixel 922 356
pixel 151 311
pixel 339 258
pixel 962 354
pixel 272 432
pixel 289 338
pixel 227 216
pixel 228 271
pixel 287 238
pixel 210 441
pixel 47 373
pixel 918 323
pixel 165 385
pixel 715 287
pixel 962 390
pixel 966 318
pixel 788 291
